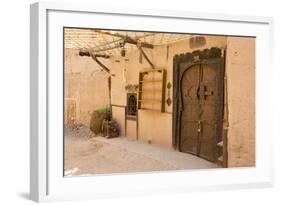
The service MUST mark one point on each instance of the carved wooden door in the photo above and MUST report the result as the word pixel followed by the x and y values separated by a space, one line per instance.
pixel 201 109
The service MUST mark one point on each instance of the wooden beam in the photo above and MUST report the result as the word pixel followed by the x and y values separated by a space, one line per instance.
pixel 127 39
pixel 87 53
pixel 102 56
pixel 145 56
pixel 94 57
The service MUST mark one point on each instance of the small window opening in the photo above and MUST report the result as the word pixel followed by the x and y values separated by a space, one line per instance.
pixel 132 104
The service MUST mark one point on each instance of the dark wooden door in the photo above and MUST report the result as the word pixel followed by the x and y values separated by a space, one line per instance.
pixel 190 82
pixel 199 117
pixel 198 96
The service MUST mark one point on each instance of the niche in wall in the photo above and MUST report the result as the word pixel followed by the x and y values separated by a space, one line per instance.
pixel 131 105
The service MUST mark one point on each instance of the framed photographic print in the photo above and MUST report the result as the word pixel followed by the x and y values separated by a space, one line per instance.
pixel 130 102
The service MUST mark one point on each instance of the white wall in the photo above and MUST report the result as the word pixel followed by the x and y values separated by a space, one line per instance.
pixel 14 104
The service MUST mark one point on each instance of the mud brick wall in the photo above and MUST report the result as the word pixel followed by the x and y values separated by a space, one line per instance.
pixel 240 73
pixel 153 127
pixel 85 87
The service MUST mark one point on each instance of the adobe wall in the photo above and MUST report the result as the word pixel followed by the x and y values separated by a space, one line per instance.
pixel 240 74
pixel 154 127
pixel 85 87
pixel 86 90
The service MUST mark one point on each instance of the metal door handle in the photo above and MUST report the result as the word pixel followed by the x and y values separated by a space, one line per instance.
pixel 202 91
pixel 199 126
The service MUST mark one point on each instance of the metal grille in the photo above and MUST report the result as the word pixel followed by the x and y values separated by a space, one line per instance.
pixel 132 104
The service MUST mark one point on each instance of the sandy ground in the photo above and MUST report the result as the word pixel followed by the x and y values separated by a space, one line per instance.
pixel 88 155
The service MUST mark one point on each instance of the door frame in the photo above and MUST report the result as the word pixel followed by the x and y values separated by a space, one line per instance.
pixel 208 57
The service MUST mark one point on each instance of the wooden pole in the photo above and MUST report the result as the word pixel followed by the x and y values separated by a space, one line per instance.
pixel 145 56
pixel 127 39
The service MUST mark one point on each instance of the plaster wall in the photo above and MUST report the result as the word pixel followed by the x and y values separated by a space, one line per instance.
pixel 118 114
pixel 86 90
pixel 154 127
pixel 131 130
pixel 240 74
pixel 85 87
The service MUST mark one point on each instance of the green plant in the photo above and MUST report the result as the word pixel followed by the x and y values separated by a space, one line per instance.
pixel 103 110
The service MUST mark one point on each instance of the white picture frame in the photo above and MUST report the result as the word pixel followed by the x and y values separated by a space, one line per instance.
pixel 46 176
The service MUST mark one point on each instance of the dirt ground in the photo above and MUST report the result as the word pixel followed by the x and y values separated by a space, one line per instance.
pixel 85 154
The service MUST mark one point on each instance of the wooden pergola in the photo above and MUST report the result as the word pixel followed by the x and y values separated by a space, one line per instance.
pixel 110 43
